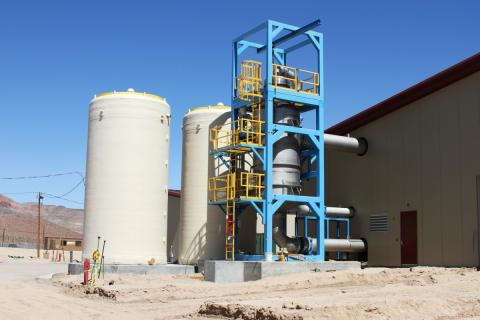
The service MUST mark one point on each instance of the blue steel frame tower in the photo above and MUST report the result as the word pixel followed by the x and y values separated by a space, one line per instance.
pixel 305 100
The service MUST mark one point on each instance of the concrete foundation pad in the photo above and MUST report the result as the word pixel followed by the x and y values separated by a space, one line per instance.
pixel 241 271
pixel 175 269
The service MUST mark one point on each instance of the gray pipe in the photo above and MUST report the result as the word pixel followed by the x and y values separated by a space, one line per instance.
pixel 342 143
pixel 306 245
pixel 330 211
pixel 342 245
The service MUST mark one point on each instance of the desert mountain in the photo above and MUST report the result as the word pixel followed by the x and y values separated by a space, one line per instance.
pixel 18 221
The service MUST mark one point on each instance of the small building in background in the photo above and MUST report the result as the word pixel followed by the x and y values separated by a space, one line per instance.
pixel 63 243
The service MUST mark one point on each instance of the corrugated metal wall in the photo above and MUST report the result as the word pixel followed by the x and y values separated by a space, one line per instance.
pixel 424 157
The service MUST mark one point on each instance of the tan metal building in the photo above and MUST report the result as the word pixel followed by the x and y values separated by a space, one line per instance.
pixel 417 190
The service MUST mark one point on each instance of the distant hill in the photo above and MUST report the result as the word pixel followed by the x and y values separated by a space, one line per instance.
pixel 19 220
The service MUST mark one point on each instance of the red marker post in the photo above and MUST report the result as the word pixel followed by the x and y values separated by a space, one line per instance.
pixel 86 270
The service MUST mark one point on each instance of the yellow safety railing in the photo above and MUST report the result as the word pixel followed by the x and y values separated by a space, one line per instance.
pixel 222 188
pixel 251 185
pixel 226 187
pixel 295 79
pixel 249 82
pixel 221 137
pixel 246 131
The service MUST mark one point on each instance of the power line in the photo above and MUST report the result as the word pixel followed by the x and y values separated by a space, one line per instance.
pixel 73 189
pixel 44 176
pixel 48 195
pixel 62 196
pixel 24 192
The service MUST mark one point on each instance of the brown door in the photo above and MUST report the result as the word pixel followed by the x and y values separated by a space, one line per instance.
pixel 478 219
pixel 408 230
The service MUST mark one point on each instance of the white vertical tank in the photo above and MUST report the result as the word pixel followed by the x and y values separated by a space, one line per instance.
pixel 201 233
pixel 126 196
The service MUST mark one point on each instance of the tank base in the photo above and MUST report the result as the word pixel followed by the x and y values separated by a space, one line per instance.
pixel 242 271
pixel 174 269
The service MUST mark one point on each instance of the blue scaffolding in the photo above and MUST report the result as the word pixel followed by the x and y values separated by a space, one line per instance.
pixel 275 34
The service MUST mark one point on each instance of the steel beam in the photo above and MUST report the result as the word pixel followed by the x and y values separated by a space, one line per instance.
pixel 292 34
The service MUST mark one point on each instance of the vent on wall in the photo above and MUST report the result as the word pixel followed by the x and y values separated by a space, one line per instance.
pixel 378 222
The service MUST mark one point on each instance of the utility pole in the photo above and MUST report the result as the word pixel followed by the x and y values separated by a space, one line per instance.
pixel 3 236
pixel 43 235
pixel 40 197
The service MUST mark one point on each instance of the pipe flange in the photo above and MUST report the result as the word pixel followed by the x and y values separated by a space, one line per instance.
pixel 363 143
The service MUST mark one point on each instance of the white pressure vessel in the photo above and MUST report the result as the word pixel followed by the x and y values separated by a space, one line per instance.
pixel 126 197
pixel 201 234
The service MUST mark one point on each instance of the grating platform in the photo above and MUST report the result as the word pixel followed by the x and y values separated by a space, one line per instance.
pixel 242 271
pixel 175 269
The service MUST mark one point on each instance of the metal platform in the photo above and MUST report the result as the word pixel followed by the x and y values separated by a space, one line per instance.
pixel 242 271
pixel 174 269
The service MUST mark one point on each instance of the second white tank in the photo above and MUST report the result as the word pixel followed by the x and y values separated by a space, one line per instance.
pixel 201 233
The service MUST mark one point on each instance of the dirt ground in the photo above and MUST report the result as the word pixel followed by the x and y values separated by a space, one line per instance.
pixel 29 254
pixel 372 293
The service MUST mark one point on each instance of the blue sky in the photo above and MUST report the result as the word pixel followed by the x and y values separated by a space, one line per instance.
pixel 55 55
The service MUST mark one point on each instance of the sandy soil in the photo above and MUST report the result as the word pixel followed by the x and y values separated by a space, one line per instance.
pixel 374 293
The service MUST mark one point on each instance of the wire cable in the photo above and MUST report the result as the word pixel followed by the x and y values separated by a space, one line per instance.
pixel 24 192
pixel 62 196
pixel 44 176
pixel 73 189
pixel 48 195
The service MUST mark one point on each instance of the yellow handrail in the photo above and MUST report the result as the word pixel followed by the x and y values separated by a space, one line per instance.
pixel 249 82
pixel 246 131
pixel 296 79
pixel 226 187
pixel 222 188
pixel 251 185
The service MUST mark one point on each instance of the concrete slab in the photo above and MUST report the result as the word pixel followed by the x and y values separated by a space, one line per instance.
pixel 241 271
pixel 175 269
pixel 11 269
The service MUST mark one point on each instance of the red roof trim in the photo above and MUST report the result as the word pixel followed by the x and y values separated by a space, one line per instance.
pixel 174 193
pixel 412 94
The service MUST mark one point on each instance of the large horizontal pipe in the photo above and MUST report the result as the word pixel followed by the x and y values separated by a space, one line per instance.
pixel 341 245
pixel 330 211
pixel 342 143
pixel 304 245
pixel 344 245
